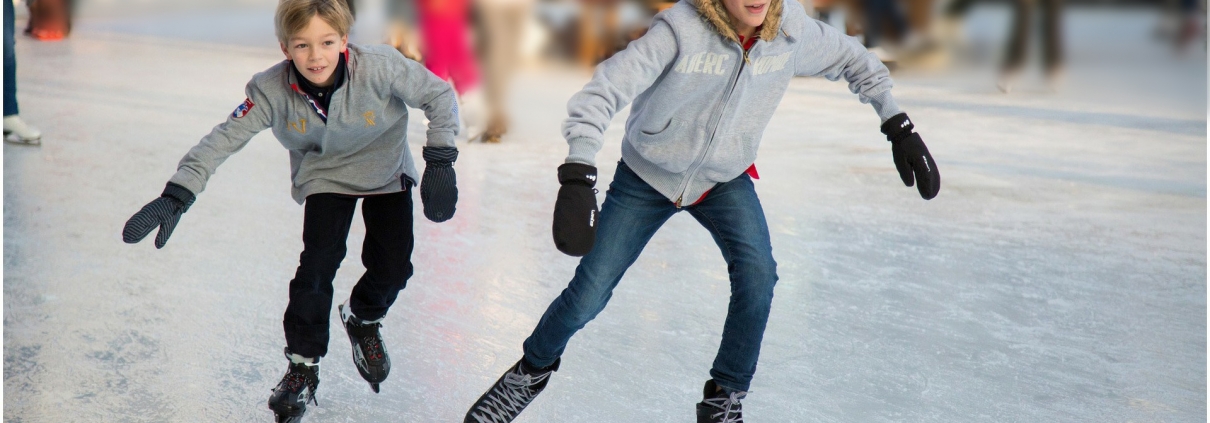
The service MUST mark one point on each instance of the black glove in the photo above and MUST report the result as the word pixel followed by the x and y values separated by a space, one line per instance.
pixel 575 227
pixel 439 186
pixel 163 212
pixel 912 158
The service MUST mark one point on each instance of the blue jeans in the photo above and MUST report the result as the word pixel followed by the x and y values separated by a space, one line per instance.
pixel 10 62
pixel 632 212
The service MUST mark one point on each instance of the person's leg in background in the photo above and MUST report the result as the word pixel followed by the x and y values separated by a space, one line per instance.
pixel 949 28
pixel 10 63
pixel 1018 43
pixel 1052 41
pixel 874 11
pixel 504 22
pixel 12 122
pixel 880 13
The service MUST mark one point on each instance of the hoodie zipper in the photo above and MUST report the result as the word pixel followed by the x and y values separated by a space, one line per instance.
pixel 719 109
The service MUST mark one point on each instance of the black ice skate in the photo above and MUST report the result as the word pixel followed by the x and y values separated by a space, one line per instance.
pixel 511 393
pixel 369 353
pixel 297 387
pixel 718 406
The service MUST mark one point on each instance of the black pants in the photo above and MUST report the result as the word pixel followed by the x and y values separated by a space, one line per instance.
pixel 880 12
pixel 1052 35
pixel 1018 39
pixel 386 254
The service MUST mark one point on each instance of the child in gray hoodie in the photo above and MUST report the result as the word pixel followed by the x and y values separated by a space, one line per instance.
pixel 342 112
pixel 702 83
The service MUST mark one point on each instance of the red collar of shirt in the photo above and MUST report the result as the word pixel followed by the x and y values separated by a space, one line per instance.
pixel 748 42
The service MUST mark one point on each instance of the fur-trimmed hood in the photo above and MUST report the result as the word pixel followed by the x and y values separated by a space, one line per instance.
pixel 715 13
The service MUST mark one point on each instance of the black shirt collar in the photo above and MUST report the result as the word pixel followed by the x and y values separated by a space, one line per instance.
pixel 322 95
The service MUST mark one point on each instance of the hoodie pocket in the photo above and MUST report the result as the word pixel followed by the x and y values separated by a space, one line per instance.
pixel 732 155
pixel 667 146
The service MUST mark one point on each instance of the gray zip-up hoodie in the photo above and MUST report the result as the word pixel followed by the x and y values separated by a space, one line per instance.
pixel 361 149
pixel 701 102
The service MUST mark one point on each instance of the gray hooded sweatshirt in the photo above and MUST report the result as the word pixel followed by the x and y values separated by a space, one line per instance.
pixel 700 102
pixel 361 149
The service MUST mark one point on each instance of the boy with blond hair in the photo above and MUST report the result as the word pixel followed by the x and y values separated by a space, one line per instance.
pixel 342 112
pixel 704 82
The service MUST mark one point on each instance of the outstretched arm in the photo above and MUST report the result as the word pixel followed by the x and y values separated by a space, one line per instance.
pixel 827 52
pixel 194 170
pixel 248 119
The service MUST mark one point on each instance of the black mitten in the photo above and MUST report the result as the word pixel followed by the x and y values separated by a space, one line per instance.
pixel 439 185
pixel 575 226
pixel 163 212
pixel 912 158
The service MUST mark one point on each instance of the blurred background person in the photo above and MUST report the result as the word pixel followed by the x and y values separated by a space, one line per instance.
pixel 1018 42
pixel 12 122
pixel 897 31
pixel 599 32
pixel 883 14
pixel 503 24
pixel 445 42
pixel 49 20
pixel 1017 45
pixel 402 28
pixel 1183 23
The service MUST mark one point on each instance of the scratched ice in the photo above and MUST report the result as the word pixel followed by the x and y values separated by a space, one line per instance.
pixel 1060 276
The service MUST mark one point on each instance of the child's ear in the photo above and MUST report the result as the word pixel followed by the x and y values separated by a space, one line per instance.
pixel 344 42
pixel 283 50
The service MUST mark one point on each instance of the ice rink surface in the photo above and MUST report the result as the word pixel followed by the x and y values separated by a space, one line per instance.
pixel 1060 275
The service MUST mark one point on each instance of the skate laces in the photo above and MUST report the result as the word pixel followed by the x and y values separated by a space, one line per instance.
pixel 373 348
pixel 294 381
pixel 729 407
pixel 371 341
pixel 509 397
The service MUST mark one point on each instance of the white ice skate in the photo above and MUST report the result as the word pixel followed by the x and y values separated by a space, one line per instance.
pixel 24 133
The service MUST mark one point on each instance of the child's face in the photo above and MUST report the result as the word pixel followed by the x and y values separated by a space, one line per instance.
pixel 315 51
pixel 747 14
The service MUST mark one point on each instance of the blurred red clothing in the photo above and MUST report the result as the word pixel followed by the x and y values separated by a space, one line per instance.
pixel 446 46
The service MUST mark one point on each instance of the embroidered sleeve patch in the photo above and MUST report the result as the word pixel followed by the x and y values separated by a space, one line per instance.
pixel 243 109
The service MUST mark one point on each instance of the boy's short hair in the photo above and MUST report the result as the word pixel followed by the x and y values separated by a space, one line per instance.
pixel 294 15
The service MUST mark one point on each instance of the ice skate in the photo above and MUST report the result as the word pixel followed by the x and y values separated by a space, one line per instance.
pixel 297 387
pixel 369 353
pixel 13 125
pixel 719 406
pixel 511 394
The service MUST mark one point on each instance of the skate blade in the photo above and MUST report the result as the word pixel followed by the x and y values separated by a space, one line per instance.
pixel 23 141
pixel 281 418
